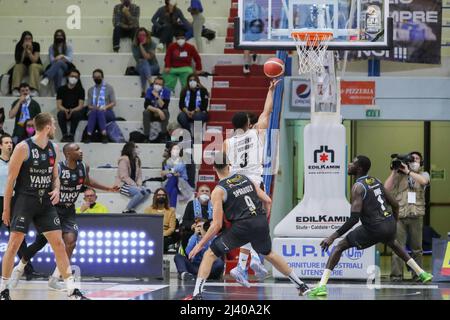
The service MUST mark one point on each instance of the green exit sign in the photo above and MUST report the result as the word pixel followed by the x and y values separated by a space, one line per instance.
pixel 373 113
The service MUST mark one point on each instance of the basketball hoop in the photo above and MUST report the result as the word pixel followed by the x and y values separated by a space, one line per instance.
pixel 311 49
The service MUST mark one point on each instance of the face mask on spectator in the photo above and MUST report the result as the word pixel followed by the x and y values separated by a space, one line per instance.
pixel 161 199
pixel 30 131
pixel 203 197
pixel 157 87
pixel 414 166
pixel 98 81
pixel 73 81
pixel 173 2
pixel 27 97
pixel 181 42
pixel 193 84
pixel 142 38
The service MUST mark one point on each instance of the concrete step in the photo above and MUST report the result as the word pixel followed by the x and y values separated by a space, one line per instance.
pixel 116 63
pixel 99 25
pixel 130 109
pixel 98 154
pixel 108 176
pixel 124 86
pixel 212 8
pixel 239 93
pixel 99 43
pixel 116 203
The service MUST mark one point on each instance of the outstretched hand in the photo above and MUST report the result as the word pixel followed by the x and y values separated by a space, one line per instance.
pixel 54 196
pixel 194 251
pixel 326 243
pixel 273 84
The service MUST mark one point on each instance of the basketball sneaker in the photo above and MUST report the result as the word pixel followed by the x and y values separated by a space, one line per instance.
pixel 303 290
pixel 15 277
pixel 319 291
pixel 77 295
pixel 53 283
pixel 4 295
pixel 425 277
pixel 260 271
pixel 240 275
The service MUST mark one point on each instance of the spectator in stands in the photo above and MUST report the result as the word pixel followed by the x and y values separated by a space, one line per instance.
pixel 29 130
pixel 187 269
pixel 70 105
pixel 198 209
pixel 174 169
pixel 178 62
pixel 61 57
pixel 194 100
pixel 161 206
pixel 23 109
pixel 196 10
pixel 28 62
pixel 167 21
pixel 101 101
pixel 2 121
pixel 156 114
pixel 171 130
pixel 129 177
pixel 90 204
pixel 125 21
pixel 144 53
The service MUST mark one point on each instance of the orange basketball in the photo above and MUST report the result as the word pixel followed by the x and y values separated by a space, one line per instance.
pixel 274 67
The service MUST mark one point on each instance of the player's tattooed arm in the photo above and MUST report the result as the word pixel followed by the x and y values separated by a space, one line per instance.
pixel 393 203
pixel 96 185
pixel 264 118
pixel 15 163
pixel 54 194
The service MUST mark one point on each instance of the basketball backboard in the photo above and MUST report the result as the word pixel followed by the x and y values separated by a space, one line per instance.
pixel 356 24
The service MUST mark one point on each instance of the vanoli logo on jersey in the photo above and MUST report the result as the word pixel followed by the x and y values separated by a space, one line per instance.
pixel 324 159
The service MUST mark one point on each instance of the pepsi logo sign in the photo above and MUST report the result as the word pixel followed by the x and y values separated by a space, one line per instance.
pixel 303 91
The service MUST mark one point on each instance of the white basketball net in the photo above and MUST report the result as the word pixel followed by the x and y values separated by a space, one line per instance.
pixel 311 49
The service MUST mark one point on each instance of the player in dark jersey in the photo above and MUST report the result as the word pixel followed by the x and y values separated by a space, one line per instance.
pixel 73 176
pixel 33 174
pixel 370 204
pixel 240 201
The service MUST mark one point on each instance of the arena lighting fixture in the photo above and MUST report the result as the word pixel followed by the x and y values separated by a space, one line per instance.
pixel 82 243
pixel 99 260
pixel 125 235
pixel 124 252
pixel 107 260
pixel 91 234
pixel 141 252
pixel 47 259
pixel 108 235
pixel 116 260
pixel 116 243
pixel 116 252
pixel 82 234
pixel 142 235
pixel 91 252
pixel 133 252
pixel 151 243
pixel 31 234
pixel 99 234
pixel 91 243
pixel 125 243
pixel 99 252
pixel 141 261
pixel 133 235
pixel 82 260
pixel 150 252
pixel 133 243
pixel 117 235
pixel 39 259
pixel 108 243
pixel 107 252
pixel 125 260
pixel 91 260
pixel 99 243
pixel 141 243
pixel 133 261
pixel 82 251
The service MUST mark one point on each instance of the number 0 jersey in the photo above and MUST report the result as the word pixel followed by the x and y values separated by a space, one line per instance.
pixel 245 153
pixel 241 200
pixel 375 207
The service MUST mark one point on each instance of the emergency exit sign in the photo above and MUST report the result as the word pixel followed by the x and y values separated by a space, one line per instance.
pixel 373 113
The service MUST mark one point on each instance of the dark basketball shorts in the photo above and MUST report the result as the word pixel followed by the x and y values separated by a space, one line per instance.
pixel 363 237
pixel 27 209
pixel 67 217
pixel 253 230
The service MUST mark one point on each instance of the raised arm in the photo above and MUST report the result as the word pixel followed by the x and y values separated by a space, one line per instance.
pixel 264 118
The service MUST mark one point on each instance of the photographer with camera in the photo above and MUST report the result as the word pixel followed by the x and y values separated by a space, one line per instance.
pixel 408 183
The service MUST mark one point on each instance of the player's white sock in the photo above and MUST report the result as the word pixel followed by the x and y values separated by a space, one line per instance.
pixel 21 266
pixel 255 256
pixel 413 265
pixel 243 257
pixel 295 280
pixel 199 285
pixel 3 283
pixel 70 285
pixel 325 276
pixel 56 273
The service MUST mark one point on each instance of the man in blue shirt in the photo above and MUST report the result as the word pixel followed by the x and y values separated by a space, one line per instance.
pixel 156 114
pixel 187 269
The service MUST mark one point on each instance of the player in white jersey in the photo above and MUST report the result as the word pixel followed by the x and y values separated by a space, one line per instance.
pixel 245 151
